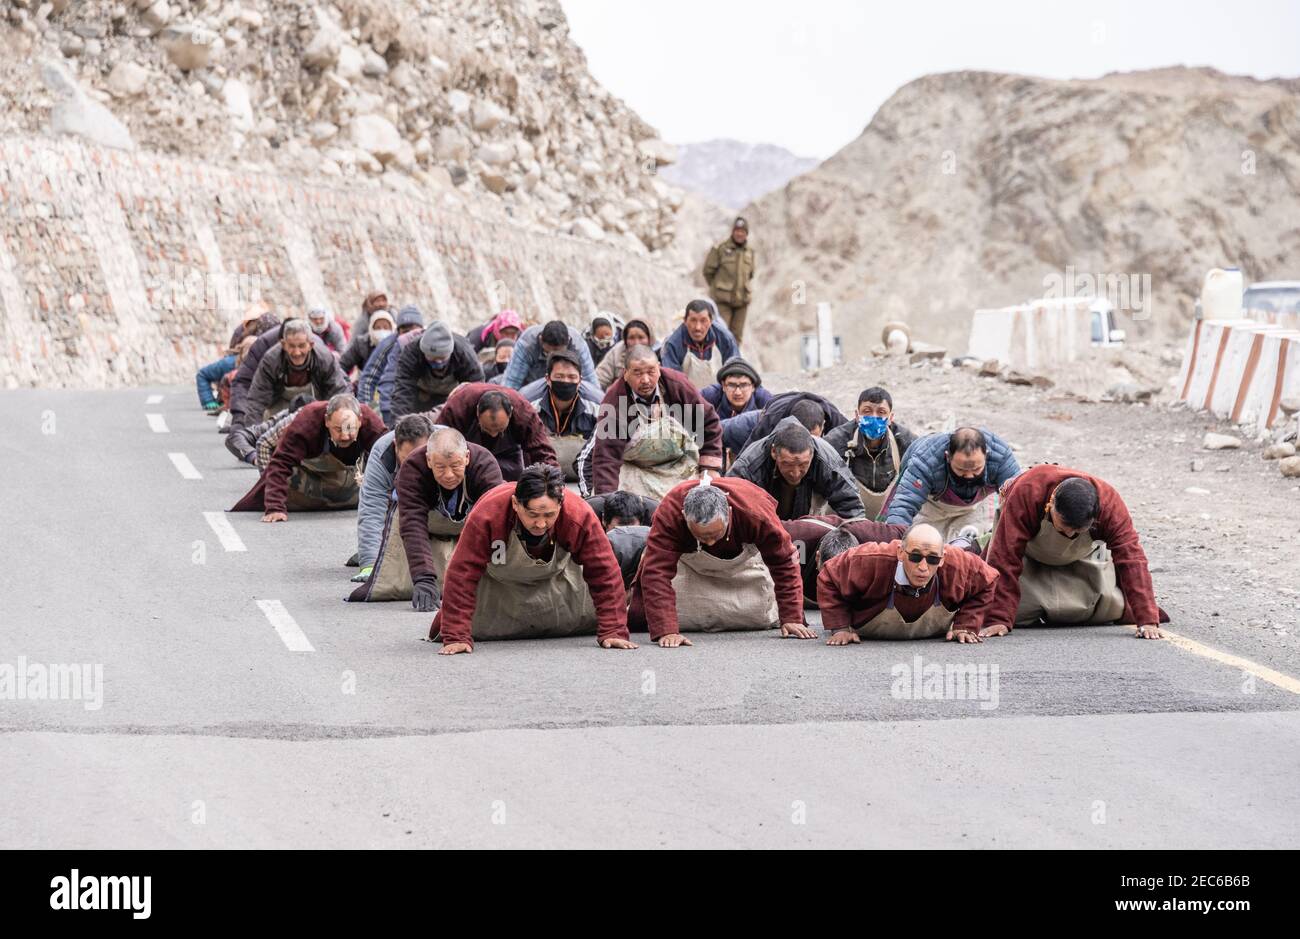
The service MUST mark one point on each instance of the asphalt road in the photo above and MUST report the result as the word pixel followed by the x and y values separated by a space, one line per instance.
pixel 211 730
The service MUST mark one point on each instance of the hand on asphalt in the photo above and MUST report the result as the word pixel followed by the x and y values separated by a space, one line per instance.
pixel 455 648
pixel 797 630
pixel 275 517
pixel 997 629
pixel 843 637
pixel 673 640
pixel 425 597
pixel 1149 632
pixel 963 635
pixel 616 643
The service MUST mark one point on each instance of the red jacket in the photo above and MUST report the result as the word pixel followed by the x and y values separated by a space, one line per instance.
pixel 305 438
pixel 577 530
pixel 807 535
pixel 418 493
pixel 1024 503
pixel 753 521
pixel 678 395
pixel 525 433
pixel 855 586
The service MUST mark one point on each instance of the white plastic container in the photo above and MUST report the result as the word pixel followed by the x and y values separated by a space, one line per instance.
pixel 1221 294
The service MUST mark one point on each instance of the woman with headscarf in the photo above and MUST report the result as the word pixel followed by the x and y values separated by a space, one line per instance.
pixel 635 332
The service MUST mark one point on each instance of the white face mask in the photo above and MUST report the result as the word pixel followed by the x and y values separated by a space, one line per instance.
pixel 379 335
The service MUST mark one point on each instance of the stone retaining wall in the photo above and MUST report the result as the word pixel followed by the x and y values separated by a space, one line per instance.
pixel 123 268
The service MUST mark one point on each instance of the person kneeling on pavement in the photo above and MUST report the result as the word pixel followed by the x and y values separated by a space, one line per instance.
pixel 378 499
pixel 915 588
pixel 532 562
pixel 314 465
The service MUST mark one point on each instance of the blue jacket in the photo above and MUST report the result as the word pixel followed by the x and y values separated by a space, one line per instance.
pixel 528 362
pixel 673 353
pixel 372 372
pixel 714 395
pixel 924 473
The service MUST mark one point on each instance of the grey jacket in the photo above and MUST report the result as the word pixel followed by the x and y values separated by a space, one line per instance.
pixel 827 477
pixel 327 379
pixel 377 493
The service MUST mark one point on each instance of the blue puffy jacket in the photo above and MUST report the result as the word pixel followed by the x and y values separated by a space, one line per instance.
pixel 924 473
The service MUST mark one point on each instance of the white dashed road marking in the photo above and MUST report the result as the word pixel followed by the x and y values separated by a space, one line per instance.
pixel 226 534
pixel 184 466
pixel 153 399
pixel 157 424
pixel 294 638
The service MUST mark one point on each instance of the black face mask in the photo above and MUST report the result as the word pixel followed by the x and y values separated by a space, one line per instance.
pixel 564 390
pixel 965 488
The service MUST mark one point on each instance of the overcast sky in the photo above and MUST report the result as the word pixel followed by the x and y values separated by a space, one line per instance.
pixel 808 74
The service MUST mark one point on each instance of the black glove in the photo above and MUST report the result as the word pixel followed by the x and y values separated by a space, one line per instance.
pixel 426 597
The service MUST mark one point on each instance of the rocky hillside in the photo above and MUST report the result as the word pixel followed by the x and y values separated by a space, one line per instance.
pixel 969 189
pixel 733 174
pixel 488 98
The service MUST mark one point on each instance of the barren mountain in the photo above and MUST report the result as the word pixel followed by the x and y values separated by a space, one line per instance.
pixel 489 99
pixel 974 189
pixel 733 174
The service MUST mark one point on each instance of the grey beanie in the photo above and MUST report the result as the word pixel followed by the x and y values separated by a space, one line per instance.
pixel 437 342
pixel 410 315
pixel 736 365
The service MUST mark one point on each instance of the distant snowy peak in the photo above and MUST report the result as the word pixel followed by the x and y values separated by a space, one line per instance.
pixel 733 173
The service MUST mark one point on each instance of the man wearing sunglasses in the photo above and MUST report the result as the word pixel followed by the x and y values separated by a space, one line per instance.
pixel 1068 553
pixel 915 588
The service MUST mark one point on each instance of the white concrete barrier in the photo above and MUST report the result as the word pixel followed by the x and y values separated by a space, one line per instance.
pixel 1033 335
pixel 1240 369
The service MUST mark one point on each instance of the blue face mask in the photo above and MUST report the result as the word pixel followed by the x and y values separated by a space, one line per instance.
pixel 873 428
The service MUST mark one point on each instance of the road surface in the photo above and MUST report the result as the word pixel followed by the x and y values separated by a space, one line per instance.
pixel 244 704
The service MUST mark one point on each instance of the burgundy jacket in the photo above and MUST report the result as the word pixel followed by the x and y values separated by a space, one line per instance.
pixel 524 440
pixel 855 586
pixel 1024 503
pixel 577 530
pixel 753 521
pixel 418 494
pixel 305 438
pixel 611 437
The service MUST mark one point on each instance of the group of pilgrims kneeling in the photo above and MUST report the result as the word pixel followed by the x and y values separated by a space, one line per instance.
pixel 672 494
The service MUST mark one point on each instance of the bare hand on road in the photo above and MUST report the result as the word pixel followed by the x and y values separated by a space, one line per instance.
pixel 963 635
pixel 797 630
pixel 275 517
pixel 843 637
pixel 997 629
pixel 618 644
pixel 455 648
pixel 673 640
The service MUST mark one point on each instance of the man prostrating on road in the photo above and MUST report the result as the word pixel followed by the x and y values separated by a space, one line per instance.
pixel 532 562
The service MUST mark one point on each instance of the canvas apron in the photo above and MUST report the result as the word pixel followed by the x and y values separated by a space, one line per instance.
pixel 872 501
pixel 391 577
pixel 724 594
pixel 660 455
pixel 285 400
pixel 889 623
pixel 702 372
pixel 321 483
pixel 1068 581
pixel 431 391
pixel 567 449
pixel 952 517
pixel 525 598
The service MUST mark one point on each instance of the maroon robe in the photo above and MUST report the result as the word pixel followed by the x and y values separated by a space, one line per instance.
pixel 305 438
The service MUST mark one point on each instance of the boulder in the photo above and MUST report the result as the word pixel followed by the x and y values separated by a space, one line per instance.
pixel 376 136
pixel 323 49
pixel 1290 467
pixel 663 154
pixel 127 80
pixel 1279 451
pixel 78 115
pixel 190 47
pixel 486 116
pixel 586 228
pixel 495 154
pixel 1220 442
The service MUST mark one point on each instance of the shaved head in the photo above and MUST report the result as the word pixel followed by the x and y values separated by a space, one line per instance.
pixel 922 534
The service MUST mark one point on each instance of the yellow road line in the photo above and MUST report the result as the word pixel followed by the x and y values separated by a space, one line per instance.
pixel 1285 682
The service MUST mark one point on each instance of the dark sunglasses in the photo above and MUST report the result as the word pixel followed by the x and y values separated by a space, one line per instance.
pixel 932 559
